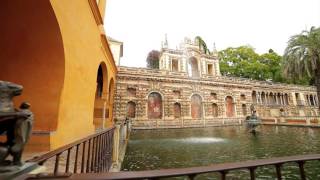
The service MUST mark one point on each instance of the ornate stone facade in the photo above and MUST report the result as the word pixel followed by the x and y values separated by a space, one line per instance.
pixel 188 91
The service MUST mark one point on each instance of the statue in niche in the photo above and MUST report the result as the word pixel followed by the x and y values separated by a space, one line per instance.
pixel 16 124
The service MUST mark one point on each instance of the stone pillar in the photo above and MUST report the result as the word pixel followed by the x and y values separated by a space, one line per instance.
pixel 260 99
pixel 116 145
pixel 265 99
pixel 314 100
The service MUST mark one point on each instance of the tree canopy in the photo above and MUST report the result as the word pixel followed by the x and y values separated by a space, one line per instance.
pixel 244 62
pixel 153 59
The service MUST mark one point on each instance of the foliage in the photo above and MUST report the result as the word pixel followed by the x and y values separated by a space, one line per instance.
pixel 244 62
pixel 302 56
pixel 153 59
pixel 202 45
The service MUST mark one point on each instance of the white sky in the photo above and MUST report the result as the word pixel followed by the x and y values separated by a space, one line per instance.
pixel 142 24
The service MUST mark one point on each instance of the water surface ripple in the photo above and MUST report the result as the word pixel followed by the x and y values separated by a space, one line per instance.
pixel 176 148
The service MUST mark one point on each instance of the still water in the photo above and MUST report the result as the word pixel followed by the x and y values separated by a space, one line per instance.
pixel 176 148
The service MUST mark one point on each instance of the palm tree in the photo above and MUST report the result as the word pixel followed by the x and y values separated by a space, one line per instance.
pixel 302 56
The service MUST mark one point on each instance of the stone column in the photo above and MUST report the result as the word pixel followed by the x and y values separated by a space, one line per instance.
pixel 116 145
pixel 265 99
pixel 260 99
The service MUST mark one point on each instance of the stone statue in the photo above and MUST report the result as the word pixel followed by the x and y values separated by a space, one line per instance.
pixel 15 123
pixel 252 121
pixel 253 110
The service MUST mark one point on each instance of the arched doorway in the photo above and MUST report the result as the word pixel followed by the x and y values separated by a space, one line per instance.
pixel 194 67
pixel 131 109
pixel 229 107
pixel 196 106
pixel 215 110
pixel 100 103
pixel 177 110
pixel 154 106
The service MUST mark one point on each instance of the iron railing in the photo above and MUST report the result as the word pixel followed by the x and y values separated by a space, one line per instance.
pixel 222 169
pixel 92 154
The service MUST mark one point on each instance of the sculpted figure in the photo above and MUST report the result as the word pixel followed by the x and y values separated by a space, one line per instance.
pixel 15 123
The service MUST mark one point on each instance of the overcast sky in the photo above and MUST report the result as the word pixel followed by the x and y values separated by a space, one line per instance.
pixel 142 24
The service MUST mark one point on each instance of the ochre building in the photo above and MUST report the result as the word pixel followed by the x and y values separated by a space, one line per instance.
pixel 58 50
pixel 188 91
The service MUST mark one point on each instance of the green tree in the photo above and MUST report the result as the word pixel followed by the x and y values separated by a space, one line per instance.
pixel 153 59
pixel 302 56
pixel 244 62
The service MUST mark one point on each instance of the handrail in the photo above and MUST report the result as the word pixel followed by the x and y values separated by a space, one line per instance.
pixel 42 158
pixel 193 171
pixel 90 154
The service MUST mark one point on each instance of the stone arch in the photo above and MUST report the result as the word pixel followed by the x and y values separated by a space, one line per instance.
pixel 254 97
pixel 32 54
pixel 215 110
pixel 131 109
pixel 263 98
pixel 100 103
pixel 155 105
pixel 194 67
pixel 196 106
pixel 177 110
pixel 230 110
pixel 244 109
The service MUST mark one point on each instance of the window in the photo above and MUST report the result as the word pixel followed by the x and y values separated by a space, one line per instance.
pixel 210 69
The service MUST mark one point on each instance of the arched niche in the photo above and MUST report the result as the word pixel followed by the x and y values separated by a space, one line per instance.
pixel 131 109
pixel 177 110
pixel 154 105
pixel 230 111
pixel 244 109
pixel 196 106
pixel 215 111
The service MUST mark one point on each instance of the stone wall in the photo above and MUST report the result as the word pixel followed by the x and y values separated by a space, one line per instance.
pixel 224 100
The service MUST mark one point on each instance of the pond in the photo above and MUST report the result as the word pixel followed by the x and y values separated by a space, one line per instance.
pixel 176 148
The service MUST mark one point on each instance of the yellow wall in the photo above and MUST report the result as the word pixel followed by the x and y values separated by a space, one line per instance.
pixel 62 43
pixel 83 55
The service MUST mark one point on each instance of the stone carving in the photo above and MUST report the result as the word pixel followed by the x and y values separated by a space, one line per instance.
pixel 15 123
pixel 252 122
